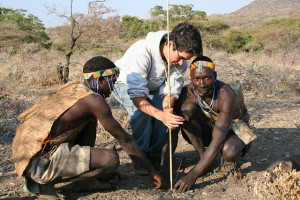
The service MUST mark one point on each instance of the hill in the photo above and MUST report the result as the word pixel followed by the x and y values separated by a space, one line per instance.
pixel 260 11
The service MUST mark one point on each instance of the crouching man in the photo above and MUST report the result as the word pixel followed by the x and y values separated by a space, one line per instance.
pixel 215 117
pixel 56 137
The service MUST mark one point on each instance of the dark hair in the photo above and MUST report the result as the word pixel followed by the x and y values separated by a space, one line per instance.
pixel 187 38
pixel 97 63
pixel 203 58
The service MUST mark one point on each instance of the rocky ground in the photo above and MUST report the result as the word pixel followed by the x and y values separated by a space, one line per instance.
pixel 273 101
pixel 274 120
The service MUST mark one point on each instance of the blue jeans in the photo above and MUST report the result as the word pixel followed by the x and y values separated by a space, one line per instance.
pixel 146 130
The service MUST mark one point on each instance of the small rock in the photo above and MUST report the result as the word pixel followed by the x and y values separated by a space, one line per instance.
pixel 11 193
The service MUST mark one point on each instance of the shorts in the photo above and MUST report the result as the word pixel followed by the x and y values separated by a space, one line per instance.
pixel 66 162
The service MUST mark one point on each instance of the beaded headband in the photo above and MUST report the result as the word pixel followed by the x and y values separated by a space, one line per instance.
pixel 200 64
pixel 106 72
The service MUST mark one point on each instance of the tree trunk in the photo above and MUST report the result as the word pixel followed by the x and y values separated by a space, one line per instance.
pixel 66 74
pixel 66 69
pixel 60 69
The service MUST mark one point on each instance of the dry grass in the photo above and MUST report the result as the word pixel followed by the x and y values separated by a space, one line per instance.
pixel 259 74
pixel 285 187
pixel 8 109
pixel 9 34
pixel 30 74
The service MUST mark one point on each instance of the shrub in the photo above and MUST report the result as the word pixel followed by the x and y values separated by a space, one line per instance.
pixel 237 40
pixel 232 41
pixel 30 25
pixel 277 36
pixel 210 27
pixel 133 27
pixel 285 187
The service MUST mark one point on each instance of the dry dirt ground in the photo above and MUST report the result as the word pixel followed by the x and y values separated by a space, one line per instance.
pixel 274 118
pixel 275 121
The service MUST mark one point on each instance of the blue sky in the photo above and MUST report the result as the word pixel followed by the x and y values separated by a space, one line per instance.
pixel 139 8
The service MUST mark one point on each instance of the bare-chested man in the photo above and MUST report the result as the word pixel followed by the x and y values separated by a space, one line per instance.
pixel 55 141
pixel 209 108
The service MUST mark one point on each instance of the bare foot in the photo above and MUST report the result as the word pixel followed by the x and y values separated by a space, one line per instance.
pixel 91 186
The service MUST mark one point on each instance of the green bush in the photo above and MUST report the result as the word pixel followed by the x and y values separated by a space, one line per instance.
pixel 133 27
pixel 275 36
pixel 11 50
pixel 236 41
pixel 32 27
pixel 210 27
pixel 291 23
pixel 215 41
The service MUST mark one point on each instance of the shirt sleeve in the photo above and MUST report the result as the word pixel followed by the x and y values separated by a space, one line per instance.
pixel 176 81
pixel 137 77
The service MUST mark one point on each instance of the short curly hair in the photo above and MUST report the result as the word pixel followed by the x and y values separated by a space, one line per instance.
pixel 97 63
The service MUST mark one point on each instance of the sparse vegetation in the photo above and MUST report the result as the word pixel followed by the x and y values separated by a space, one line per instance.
pixel 264 58
pixel 85 30
pixel 285 187
pixel 33 30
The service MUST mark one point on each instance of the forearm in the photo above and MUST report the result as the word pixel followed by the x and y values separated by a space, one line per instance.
pixel 219 135
pixel 168 102
pixel 128 144
pixel 208 157
pixel 133 150
pixel 167 117
pixel 142 104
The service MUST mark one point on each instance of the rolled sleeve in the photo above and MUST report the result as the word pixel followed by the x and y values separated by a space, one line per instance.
pixel 137 77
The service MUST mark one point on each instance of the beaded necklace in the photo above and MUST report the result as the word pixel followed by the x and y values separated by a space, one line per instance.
pixel 202 106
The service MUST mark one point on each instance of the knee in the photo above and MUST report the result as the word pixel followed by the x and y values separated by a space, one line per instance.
pixel 231 153
pixel 187 111
pixel 106 159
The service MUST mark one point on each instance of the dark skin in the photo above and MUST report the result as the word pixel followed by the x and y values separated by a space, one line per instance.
pixel 94 107
pixel 230 146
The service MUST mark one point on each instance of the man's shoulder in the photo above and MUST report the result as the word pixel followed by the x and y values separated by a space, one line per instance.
pixel 226 95
pixel 94 98
pixel 187 93
pixel 225 88
pixel 155 36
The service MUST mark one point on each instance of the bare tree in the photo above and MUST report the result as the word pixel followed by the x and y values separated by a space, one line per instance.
pixel 86 29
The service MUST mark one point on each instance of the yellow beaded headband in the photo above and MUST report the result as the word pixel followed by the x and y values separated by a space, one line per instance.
pixel 200 64
pixel 106 72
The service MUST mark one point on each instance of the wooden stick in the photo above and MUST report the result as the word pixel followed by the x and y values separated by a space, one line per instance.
pixel 170 132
